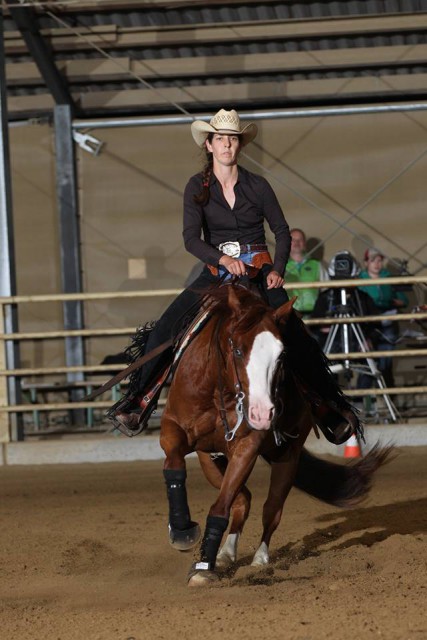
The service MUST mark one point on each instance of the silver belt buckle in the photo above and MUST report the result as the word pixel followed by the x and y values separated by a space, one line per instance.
pixel 231 249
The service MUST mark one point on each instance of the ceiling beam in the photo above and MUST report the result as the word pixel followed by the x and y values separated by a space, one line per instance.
pixel 126 5
pixel 327 61
pixel 143 5
pixel 292 93
pixel 111 36
pixel 26 21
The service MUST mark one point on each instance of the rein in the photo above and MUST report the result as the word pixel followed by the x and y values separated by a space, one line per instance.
pixel 237 385
pixel 251 271
pixel 132 367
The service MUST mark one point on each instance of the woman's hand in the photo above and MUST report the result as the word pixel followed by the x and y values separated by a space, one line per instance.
pixel 233 265
pixel 274 280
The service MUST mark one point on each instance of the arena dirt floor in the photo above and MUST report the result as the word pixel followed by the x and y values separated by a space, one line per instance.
pixel 84 555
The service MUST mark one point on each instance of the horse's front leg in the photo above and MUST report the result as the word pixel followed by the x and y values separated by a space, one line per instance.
pixel 239 467
pixel 281 481
pixel 214 470
pixel 183 532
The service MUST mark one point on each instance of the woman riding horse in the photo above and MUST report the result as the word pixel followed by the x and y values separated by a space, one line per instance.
pixel 233 393
pixel 225 207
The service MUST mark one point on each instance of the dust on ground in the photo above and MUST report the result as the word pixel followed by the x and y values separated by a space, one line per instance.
pixel 85 555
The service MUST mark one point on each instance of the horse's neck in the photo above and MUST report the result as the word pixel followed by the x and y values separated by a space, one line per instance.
pixel 211 345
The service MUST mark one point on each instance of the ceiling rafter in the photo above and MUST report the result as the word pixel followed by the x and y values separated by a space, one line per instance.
pixel 63 39
pixel 26 21
pixel 107 63
pixel 322 61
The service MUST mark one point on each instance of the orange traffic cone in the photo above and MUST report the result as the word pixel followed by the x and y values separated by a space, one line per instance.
pixel 352 448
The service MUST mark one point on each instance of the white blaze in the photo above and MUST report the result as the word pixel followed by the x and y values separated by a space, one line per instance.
pixel 260 369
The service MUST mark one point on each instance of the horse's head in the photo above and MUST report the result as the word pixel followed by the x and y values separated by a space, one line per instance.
pixel 254 349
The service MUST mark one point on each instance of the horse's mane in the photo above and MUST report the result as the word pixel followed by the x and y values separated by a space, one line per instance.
pixel 253 308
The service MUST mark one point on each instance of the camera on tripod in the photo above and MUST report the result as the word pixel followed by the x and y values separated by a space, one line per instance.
pixel 343 266
pixel 350 337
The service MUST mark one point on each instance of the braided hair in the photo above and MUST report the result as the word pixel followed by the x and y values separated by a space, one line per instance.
pixel 203 197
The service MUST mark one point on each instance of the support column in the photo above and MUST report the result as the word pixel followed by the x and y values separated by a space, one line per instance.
pixel 9 388
pixel 66 181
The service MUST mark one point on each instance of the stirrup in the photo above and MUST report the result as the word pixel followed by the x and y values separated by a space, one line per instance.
pixel 336 423
pixel 145 405
pixel 135 423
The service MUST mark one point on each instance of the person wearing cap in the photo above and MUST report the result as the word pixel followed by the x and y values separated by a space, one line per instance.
pixel 387 300
pixel 225 207
pixel 384 295
pixel 301 268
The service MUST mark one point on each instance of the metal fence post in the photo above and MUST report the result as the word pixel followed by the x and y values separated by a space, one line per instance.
pixel 4 418
pixel 66 179
pixel 9 312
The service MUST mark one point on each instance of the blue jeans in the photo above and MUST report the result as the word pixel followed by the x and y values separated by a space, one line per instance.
pixel 244 257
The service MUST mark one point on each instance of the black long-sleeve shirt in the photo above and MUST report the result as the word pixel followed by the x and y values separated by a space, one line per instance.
pixel 244 223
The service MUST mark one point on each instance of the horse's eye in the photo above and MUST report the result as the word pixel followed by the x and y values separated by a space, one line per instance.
pixel 238 353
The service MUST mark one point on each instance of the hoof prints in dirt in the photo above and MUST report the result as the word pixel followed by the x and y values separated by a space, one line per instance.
pixel 86 556
pixel 385 560
pixel 255 576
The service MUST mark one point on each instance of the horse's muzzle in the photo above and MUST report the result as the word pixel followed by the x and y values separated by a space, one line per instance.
pixel 260 416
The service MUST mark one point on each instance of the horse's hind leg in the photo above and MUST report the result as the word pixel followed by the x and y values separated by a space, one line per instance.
pixel 214 470
pixel 183 532
pixel 281 481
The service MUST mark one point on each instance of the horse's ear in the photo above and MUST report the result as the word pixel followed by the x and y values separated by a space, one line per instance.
pixel 282 313
pixel 233 300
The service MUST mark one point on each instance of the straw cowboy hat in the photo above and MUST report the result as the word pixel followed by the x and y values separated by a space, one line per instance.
pixel 227 122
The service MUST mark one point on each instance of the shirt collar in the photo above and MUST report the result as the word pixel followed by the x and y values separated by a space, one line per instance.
pixel 241 176
pixel 299 264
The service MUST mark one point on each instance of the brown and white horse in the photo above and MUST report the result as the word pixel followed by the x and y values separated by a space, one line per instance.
pixel 233 394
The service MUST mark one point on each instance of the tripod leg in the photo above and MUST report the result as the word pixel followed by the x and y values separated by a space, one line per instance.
pixel 329 346
pixel 374 370
pixel 330 339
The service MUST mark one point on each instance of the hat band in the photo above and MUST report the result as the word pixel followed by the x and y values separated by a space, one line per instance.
pixel 224 130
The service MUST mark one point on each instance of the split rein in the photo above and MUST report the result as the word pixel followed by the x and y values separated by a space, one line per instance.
pixel 237 386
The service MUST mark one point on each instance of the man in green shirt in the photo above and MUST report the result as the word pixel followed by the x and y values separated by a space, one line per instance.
pixel 385 296
pixel 302 269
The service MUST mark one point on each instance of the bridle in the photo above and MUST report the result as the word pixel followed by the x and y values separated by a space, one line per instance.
pixel 240 395
pixel 241 413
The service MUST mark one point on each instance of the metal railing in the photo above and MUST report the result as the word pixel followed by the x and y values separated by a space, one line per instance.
pixel 5 373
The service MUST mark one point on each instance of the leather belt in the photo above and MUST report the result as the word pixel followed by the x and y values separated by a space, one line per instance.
pixel 249 248
pixel 234 249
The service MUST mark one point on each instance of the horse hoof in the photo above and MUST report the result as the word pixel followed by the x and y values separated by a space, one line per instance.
pixel 201 577
pixel 259 562
pixel 184 540
pixel 224 561
pixel 261 557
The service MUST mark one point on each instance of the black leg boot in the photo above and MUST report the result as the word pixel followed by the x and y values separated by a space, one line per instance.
pixel 183 532
pixel 215 529
pixel 334 414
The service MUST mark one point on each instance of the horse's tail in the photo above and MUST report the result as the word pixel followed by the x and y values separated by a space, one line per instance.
pixel 342 485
